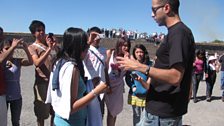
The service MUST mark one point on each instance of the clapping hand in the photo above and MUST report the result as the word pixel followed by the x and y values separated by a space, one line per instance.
pixel 16 42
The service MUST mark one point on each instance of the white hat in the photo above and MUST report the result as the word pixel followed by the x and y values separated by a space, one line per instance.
pixel 211 58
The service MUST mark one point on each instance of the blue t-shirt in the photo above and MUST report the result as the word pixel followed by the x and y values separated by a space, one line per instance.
pixel 12 70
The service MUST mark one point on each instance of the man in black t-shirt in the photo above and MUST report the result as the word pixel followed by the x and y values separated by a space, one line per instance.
pixel 168 95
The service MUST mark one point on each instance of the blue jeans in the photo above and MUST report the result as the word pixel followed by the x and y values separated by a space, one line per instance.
pixel 152 120
pixel 196 78
pixel 15 107
pixel 222 82
pixel 138 114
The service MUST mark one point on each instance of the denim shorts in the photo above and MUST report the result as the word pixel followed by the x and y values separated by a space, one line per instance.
pixel 153 120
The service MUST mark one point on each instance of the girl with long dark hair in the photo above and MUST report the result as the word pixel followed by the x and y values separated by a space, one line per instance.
pixel 67 89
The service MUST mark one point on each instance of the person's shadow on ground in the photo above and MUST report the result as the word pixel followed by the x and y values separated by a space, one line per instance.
pixel 216 98
pixel 202 98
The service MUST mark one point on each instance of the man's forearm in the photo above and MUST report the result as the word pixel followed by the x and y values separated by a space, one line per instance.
pixel 171 76
pixel 141 67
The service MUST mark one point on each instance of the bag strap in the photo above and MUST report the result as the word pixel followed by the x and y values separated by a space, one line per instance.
pixel 97 56
pixel 39 46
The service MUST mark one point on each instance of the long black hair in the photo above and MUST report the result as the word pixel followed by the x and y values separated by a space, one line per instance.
pixel 74 43
pixel 146 59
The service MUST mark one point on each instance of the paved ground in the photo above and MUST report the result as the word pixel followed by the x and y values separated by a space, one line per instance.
pixel 199 114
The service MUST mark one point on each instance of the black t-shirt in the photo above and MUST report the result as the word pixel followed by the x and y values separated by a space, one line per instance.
pixel 221 60
pixel 163 99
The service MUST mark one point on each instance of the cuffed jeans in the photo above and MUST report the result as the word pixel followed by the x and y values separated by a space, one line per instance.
pixel 138 114
pixel 153 120
pixel 15 108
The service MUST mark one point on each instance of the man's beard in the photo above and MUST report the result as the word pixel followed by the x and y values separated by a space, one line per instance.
pixel 161 21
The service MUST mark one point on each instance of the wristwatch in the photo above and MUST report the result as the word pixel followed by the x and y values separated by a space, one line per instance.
pixel 147 71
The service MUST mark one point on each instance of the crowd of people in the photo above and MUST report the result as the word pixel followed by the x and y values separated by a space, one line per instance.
pixel 74 82
pixel 115 33
pixel 206 68
pixel 132 35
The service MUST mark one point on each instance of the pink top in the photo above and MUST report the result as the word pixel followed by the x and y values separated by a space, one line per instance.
pixel 198 63
pixel 114 100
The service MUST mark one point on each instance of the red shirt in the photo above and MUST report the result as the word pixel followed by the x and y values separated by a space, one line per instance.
pixel 2 82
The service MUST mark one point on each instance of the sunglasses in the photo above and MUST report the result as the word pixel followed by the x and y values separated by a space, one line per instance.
pixel 155 9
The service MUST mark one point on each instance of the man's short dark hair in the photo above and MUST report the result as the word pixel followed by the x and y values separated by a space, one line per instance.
pixel 36 24
pixel 94 29
pixel 174 4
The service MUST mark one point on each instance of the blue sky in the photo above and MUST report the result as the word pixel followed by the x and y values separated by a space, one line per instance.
pixel 202 16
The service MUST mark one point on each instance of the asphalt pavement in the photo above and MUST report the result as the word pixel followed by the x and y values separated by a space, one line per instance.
pixel 202 113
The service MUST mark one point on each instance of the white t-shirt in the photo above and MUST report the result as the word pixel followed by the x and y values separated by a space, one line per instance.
pixel 93 66
pixel 61 103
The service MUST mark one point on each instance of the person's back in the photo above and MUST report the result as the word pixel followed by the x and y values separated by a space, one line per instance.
pixel 61 98
pixel 198 66
pixel 67 89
